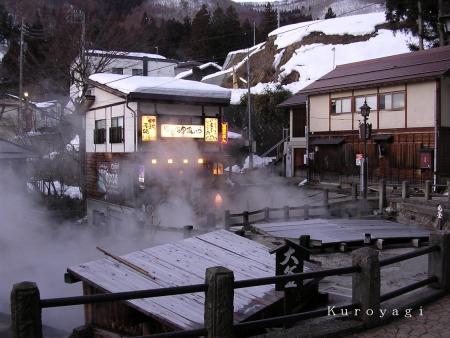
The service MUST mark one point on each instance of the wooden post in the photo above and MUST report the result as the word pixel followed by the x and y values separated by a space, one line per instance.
pixel 26 319
pixel 227 218
pixel 306 210
pixel 286 212
pixel 405 192
pixel 448 191
pixel 354 191
pixel 211 220
pixel 219 302
pixel 245 217
pixel 325 197
pixel 366 285
pixel 438 261
pixel 382 196
pixel 428 190
pixel 267 214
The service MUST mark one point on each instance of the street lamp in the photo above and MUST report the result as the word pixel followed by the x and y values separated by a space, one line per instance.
pixel 365 135
pixel 445 21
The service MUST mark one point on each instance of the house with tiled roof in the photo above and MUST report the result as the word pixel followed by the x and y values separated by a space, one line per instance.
pixel 409 97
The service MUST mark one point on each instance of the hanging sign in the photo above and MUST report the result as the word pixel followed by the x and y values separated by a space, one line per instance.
pixel 141 174
pixel 359 158
pixel 182 130
pixel 224 138
pixel 149 128
pixel 108 177
pixel 211 129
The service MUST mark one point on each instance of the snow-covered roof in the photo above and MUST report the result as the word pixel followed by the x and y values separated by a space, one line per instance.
pixel 118 54
pixel 163 86
pixel 187 73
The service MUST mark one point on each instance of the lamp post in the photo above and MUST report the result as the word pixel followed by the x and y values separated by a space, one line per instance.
pixel 445 22
pixel 365 135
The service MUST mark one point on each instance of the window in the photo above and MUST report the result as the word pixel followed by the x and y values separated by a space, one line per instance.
pixel 136 71
pixel 343 105
pixel 392 101
pixel 115 70
pixel 116 130
pixel 370 99
pixel 100 132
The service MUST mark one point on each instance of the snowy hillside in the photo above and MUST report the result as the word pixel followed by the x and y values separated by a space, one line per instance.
pixel 296 55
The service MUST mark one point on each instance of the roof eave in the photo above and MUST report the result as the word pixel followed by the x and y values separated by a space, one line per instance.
pixel 138 96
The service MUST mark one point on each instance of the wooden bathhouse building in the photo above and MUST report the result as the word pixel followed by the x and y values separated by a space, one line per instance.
pixel 145 135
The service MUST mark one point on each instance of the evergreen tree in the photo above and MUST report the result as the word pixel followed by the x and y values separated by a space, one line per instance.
pixel 330 14
pixel 218 34
pixel 403 15
pixel 247 32
pixel 234 30
pixel 200 35
pixel 269 21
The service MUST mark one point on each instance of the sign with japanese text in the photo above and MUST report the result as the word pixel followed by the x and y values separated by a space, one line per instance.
pixel 149 128
pixel 289 260
pixel 224 138
pixel 141 174
pixel 182 130
pixel 211 129
pixel 108 177
pixel 359 158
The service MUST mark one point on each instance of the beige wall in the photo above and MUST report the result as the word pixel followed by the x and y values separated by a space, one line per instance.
pixel 103 98
pixel 420 107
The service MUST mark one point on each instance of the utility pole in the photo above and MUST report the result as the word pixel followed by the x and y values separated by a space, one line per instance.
pixel 19 115
pixel 334 57
pixel 278 16
pixel 420 23
pixel 250 140
pixel 440 24
pixel 254 33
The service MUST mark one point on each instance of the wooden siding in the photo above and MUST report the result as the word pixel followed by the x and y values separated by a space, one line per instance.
pixel 401 159
pixel 92 162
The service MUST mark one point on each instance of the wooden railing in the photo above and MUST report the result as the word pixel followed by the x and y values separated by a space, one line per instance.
pixel 26 304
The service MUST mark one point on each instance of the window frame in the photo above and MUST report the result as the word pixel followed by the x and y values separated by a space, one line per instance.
pixel 113 130
pixel 341 99
pixel 392 100
pixel 366 96
pixel 117 70
pixel 99 132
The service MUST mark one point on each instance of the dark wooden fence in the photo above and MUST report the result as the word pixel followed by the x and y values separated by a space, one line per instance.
pixel 219 286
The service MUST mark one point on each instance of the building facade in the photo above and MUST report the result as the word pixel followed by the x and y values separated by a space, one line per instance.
pixel 409 97
pixel 146 136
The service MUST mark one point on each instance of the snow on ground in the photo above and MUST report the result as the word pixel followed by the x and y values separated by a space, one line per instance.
pixel 67 190
pixel 354 25
pixel 258 162
pixel 234 135
pixel 74 144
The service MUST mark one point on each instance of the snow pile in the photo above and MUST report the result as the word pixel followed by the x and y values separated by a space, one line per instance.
pixel 258 162
pixel 361 24
pixel 160 85
pixel 312 61
pixel 118 54
pixel 65 190
pixel 233 135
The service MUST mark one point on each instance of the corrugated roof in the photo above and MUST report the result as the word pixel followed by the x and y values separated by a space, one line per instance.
pixel 419 65
pixel 295 100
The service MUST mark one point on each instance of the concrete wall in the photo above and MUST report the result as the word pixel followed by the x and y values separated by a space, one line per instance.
pixel 420 109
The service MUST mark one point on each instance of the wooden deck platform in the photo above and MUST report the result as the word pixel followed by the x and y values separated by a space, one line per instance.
pixel 334 231
pixel 184 263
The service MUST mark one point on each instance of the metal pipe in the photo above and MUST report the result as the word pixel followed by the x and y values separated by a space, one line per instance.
pixel 128 295
pixel 296 276
pixel 409 255
pixel 408 288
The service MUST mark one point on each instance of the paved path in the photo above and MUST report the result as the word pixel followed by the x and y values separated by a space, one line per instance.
pixel 433 324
